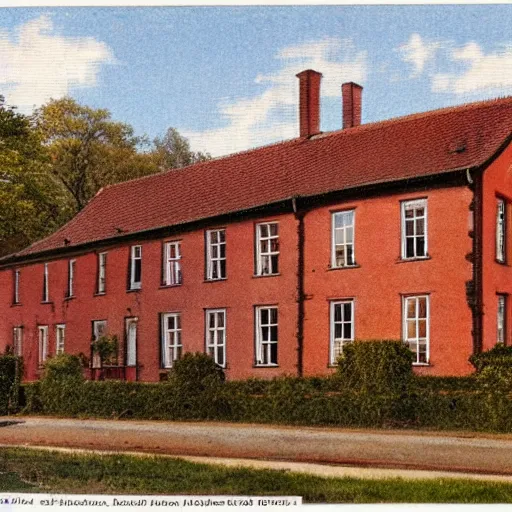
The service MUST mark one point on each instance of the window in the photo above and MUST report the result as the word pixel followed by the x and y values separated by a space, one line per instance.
pixel 102 272
pixel 416 327
pixel 46 293
pixel 171 339
pixel 71 277
pixel 501 226
pixel 216 254
pixel 135 267
pixel 266 336
pixel 267 249
pixel 60 335
pixel 414 229
pixel 343 239
pixel 16 295
pixel 17 341
pixel 172 263
pixel 216 335
pixel 342 327
pixel 131 341
pixel 99 329
pixel 501 319
pixel 43 343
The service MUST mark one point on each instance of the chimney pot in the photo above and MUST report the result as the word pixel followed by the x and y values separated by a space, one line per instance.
pixel 309 102
pixel 352 104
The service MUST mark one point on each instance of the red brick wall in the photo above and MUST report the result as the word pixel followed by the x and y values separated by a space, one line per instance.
pixel 497 278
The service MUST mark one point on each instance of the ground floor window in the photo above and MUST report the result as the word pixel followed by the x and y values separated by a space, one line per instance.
pixel 17 341
pixel 342 327
pixel 60 336
pixel 501 319
pixel 216 335
pixel 416 327
pixel 131 341
pixel 266 335
pixel 43 343
pixel 171 339
pixel 99 329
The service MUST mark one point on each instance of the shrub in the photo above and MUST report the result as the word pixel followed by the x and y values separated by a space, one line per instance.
pixel 499 355
pixel 11 370
pixel 61 385
pixel 196 370
pixel 376 366
pixel 106 347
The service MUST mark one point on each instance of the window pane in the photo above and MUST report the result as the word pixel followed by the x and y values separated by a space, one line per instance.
pixel 273 333
pixel 347 331
pixel 340 255
pixel 337 312
pixel 411 329
pixel 275 264
pixel 409 248
pixel 349 234
pixel 411 308
pixel 273 353
pixel 263 230
pixel 347 310
pixel 264 316
pixel 409 227
pixel 420 246
pixel 265 334
pixel 137 271
pixel 273 229
pixel 422 307
pixel 422 328
pixel 211 321
pixel 222 236
pixel 220 356
pixel 273 315
pixel 420 212
pixel 223 268
pixel 409 213
pixel 337 331
pixel 350 255
pixel 339 236
pixel 213 237
pixel 420 226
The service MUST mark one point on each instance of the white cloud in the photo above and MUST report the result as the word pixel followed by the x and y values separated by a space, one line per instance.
pixel 418 52
pixel 273 114
pixel 37 64
pixel 482 73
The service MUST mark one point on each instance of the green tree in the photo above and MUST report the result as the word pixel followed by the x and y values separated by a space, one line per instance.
pixel 30 199
pixel 172 151
pixel 88 150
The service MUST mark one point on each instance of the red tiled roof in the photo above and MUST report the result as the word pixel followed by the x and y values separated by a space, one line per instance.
pixel 413 146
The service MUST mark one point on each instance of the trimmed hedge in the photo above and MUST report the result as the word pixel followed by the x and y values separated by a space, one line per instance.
pixel 11 370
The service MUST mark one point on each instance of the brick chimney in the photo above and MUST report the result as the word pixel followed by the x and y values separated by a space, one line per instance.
pixel 309 102
pixel 351 96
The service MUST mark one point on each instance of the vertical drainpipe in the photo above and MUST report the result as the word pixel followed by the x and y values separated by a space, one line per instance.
pixel 299 216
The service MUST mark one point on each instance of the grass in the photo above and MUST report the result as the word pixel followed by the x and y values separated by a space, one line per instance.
pixel 32 470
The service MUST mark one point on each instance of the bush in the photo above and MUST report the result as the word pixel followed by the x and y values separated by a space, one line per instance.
pixel 61 385
pixel 376 366
pixel 499 355
pixel 11 370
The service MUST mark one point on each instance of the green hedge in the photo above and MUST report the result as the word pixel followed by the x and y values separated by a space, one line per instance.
pixel 11 370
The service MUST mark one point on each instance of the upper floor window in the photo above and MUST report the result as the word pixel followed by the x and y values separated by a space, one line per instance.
pixel 216 335
pixel 171 339
pixel 172 263
pixel 216 254
pixel 43 343
pixel 60 337
pixel 16 295
pixel 266 336
pixel 501 327
pixel 343 239
pixel 342 327
pixel 135 267
pixel 46 291
pixel 267 248
pixel 102 272
pixel 17 340
pixel 71 277
pixel 416 327
pixel 501 229
pixel 414 229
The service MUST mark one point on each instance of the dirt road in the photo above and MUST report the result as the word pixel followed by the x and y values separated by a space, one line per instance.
pixel 378 449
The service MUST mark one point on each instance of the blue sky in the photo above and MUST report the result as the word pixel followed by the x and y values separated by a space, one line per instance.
pixel 225 76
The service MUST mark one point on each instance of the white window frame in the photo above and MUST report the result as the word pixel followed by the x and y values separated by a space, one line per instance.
pixel 172 264
pixel 212 335
pixel 17 340
pixel 268 254
pixel 97 333
pixel 501 227
pixel 135 285
pixel 264 346
pixel 337 343
pixel 172 346
pixel 71 277
pixel 42 331
pixel 16 297
pixel 102 273
pixel 214 263
pixel 46 287
pixel 343 229
pixel 131 343
pixel 417 339
pixel 60 338
pixel 501 318
pixel 414 204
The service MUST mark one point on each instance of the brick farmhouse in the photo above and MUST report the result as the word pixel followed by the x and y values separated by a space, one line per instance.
pixel 272 259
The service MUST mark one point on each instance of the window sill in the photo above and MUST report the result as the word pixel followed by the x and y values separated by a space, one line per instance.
pixel 132 290
pixel 99 294
pixel 215 280
pixel 265 366
pixel 164 286
pixel 346 267
pixel 16 304
pixel 503 263
pixel 70 297
pixel 47 302
pixel 257 276
pixel 407 260
pixel 421 364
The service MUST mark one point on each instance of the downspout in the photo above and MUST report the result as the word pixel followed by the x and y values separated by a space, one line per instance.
pixel 299 216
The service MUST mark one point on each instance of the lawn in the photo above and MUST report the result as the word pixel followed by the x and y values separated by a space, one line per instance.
pixel 26 470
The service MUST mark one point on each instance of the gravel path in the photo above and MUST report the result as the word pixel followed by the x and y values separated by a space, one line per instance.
pixel 375 449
